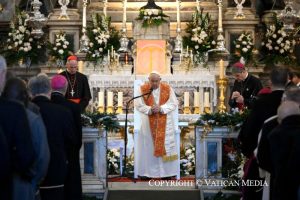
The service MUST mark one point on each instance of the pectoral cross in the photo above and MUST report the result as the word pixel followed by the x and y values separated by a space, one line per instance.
pixel 72 92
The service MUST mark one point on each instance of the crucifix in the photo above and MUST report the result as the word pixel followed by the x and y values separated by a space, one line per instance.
pixel 72 92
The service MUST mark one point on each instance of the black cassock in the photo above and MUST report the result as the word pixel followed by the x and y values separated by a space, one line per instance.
pixel 78 88
pixel 248 88
pixel 73 188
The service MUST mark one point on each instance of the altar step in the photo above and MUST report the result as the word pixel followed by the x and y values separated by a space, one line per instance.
pixel 153 195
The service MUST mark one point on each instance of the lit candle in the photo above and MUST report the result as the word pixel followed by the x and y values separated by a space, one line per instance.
pixel 206 99
pixel 80 66
pixel 221 69
pixel 110 99
pixel 196 99
pixel 120 99
pixel 178 13
pixel 186 99
pixel 101 99
pixel 124 13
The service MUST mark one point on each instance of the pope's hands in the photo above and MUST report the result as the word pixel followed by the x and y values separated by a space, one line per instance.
pixel 155 109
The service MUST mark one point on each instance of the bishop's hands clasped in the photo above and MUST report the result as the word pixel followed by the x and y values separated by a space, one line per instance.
pixel 238 97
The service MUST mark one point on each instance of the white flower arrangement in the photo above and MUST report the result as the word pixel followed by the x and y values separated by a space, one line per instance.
pixel 60 49
pixel 102 36
pixel 187 161
pixel 277 45
pixel 151 17
pixel 113 161
pixel 244 46
pixel 20 44
pixel 200 36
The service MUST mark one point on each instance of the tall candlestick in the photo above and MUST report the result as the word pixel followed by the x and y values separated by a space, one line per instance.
pixel 206 99
pixel 178 13
pixel 110 99
pixel 220 19
pixel 186 99
pixel 221 69
pixel 84 14
pixel 80 66
pixel 124 13
pixel 101 99
pixel 196 99
pixel 120 99
pixel 105 7
pixel 198 6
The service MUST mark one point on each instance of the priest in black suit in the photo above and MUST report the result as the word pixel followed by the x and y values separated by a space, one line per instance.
pixel 60 128
pixel 245 87
pixel 73 188
pixel 78 89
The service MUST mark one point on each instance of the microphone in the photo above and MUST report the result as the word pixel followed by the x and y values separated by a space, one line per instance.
pixel 150 92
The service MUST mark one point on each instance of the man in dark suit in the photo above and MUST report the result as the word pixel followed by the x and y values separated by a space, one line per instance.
pixel 285 150
pixel 263 148
pixel 73 186
pixel 263 108
pixel 14 123
pixel 59 124
pixel 245 87
pixel 78 89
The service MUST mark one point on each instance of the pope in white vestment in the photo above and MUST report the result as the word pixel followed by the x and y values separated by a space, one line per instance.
pixel 157 147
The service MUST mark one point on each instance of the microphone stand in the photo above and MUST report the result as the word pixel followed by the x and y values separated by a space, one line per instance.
pixel 125 137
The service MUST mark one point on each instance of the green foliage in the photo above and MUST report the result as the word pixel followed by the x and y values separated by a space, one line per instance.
pixel 233 120
pixel 95 120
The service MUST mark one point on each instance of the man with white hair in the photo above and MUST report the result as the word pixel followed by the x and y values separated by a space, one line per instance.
pixel 15 126
pixel 156 142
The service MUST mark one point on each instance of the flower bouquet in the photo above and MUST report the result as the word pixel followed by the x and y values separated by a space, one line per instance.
pixel 20 45
pixel 244 47
pixel 151 17
pixel 187 161
pixel 200 36
pixel 102 37
pixel 113 161
pixel 278 45
pixel 60 49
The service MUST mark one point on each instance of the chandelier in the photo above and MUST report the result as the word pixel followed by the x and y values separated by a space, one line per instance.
pixel 37 20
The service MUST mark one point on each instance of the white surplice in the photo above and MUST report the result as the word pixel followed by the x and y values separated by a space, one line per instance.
pixel 149 165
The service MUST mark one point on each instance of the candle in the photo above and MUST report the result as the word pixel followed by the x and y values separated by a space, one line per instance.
pixel 80 66
pixel 206 99
pixel 124 13
pixel 186 99
pixel 105 7
pixel 220 16
pixel 120 99
pixel 178 13
pixel 198 6
pixel 110 99
pixel 191 55
pixel 221 69
pixel 101 99
pixel 84 14
pixel 196 99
